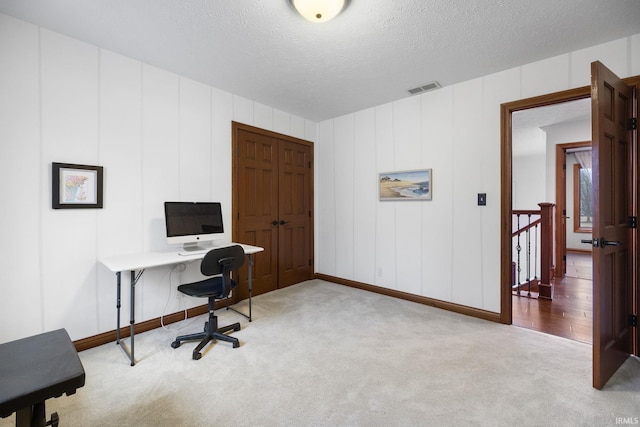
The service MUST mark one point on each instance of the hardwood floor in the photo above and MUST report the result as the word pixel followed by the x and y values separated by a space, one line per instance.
pixel 570 313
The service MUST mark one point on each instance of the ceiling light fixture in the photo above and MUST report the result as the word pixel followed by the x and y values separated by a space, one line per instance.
pixel 319 10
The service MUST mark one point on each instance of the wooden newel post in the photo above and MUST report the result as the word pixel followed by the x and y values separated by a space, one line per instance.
pixel 546 249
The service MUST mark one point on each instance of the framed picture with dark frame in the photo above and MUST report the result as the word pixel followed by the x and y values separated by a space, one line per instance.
pixel 76 186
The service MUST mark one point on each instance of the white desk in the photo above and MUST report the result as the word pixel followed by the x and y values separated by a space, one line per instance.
pixel 141 261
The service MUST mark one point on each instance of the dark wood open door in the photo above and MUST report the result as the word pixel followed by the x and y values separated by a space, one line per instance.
pixel 612 105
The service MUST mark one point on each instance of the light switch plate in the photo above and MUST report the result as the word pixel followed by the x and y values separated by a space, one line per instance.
pixel 482 199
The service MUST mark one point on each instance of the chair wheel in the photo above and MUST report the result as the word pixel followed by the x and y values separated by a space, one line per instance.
pixel 237 328
pixel 197 356
pixel 236 344
pixel 206 326
pixel 175 344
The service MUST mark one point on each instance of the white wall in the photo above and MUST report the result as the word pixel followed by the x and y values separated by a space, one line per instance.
pixel 447 248
pixel 159 136
pixel 562 133
pixel 528 181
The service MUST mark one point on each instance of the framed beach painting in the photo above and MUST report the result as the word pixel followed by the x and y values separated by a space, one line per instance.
pixel 405 185
pixel 76 186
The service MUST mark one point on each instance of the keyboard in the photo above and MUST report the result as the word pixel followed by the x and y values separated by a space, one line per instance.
pixel 198 252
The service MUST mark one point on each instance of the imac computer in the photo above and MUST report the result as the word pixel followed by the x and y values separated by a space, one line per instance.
pixel 190 223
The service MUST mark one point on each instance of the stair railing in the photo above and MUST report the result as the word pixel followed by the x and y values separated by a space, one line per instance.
pixel 533 228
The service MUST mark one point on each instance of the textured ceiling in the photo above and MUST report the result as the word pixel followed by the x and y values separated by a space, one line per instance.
pixel 369 55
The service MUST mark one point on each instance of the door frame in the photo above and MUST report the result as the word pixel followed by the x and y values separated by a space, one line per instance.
pixel 506 110
pixel 561 205
pixel 506 173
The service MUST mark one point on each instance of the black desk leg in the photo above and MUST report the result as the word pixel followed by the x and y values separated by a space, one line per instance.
pixel 119 342
pixel 133 311
pixel 132 320
pixel 118 307
pixel 249 283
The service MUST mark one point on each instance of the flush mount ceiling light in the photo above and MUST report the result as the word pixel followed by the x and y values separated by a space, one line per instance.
pixel 319 10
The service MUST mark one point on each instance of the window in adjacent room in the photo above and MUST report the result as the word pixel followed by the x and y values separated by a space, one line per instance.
pixel 582 199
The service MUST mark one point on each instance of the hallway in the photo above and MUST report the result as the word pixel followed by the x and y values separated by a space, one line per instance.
pixel 570 313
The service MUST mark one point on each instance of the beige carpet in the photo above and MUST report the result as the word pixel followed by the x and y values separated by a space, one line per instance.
pixel 321 354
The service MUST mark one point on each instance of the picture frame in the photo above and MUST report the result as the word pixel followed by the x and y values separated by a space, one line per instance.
pixel 76 186
pixel 405 185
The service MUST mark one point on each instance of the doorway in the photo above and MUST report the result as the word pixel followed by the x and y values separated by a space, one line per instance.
pixel 613 107
pixel 539 157
pixel 574 205
pixel 507 110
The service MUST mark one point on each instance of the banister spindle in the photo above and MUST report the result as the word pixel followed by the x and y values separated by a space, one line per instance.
pixel 535 258
pixel 518 249
pixel 529 257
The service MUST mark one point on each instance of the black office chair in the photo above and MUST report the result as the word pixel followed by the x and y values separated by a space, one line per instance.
pixel 220 263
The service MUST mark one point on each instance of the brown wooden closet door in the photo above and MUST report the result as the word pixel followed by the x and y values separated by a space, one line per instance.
pixel 273 206
pixel 294 205
pixel 256 207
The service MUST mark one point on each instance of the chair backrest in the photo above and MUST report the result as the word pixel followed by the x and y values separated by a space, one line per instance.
pixel 222 260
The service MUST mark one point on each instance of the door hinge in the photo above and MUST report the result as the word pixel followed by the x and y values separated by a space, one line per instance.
pixel 309 263
pixel 633 123
pixel 633 222
pixel 633 319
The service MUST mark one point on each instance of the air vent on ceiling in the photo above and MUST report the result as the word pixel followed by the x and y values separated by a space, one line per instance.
pixel 424 88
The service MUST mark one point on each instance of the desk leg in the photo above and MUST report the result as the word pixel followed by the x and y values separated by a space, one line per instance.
pixel 118 287
pixel 133 311
pixel 132 320
pixel 249 282
pixel 249 285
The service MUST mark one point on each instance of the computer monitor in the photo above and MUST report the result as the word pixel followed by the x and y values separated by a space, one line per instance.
pixel 190 223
